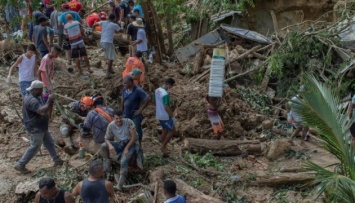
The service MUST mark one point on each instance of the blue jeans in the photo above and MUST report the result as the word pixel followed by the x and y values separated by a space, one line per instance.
pixel 119 148
pixel 36 142
pixel 23 86
pixel 137 120
pixel 43 53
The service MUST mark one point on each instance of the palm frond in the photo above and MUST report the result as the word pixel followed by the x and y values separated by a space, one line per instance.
pixel 318 109
pixel 338 188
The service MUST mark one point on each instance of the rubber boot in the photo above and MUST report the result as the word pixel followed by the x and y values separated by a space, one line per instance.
pixel 69 146
pixel 107 165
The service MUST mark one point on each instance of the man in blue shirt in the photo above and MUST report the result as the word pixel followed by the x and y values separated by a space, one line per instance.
pixel 170 193
pixel 134 100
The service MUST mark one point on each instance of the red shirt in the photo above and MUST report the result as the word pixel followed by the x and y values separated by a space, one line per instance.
pixel 75 6
pixel 92 18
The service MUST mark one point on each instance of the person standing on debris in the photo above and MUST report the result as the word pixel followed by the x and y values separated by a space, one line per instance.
pixel 48 192
pixel 131 33
pixel 74 31
pixel 26 64
pixel 125 8
pixel 133 63
pixel 40 37
pixel 58 29
pixel 164 113
pixel 217 124
pixel 296 119
pixel 137 14
pixel 46 68
pixel 95 189
pixel 141 42
pixel 62 22
pixel 170 193
pixel 49 7
pixel 11 13
pixel 76 113
pixel 115 10
pixel 134 100
pixel 121 142
pixel 36 119
pixel 36 15
pixel 109 28
pixel 97 121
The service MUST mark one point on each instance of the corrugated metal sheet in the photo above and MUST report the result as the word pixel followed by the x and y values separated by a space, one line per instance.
pixel 183 54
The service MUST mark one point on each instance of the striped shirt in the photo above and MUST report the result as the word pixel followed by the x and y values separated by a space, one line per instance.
pixel 72 29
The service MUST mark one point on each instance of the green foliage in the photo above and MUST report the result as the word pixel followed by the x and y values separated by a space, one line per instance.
pixel 197 182
pixel 204 161
pixel 319 110
pixel 258 101
pixel 152 161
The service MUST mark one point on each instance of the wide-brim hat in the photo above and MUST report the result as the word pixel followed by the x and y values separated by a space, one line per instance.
pixel 138 22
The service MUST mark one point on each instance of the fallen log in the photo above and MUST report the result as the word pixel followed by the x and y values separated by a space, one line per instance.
pixel 192 195
pixel 277 180
pixel 222 147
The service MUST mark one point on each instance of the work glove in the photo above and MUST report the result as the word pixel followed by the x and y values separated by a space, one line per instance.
pixel 8 80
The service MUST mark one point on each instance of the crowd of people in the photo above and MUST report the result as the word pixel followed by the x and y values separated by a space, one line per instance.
pixel 69 23
pixel 115 136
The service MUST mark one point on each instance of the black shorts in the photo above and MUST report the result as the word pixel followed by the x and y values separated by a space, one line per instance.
pixel 66 44
pixel 78 50
pixel 352 130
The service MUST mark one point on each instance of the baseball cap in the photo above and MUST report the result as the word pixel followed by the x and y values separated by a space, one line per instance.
pixel 36 84
pixel 136 71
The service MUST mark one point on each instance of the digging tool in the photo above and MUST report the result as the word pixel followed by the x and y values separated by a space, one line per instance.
pixel 58 105
pixel 65 97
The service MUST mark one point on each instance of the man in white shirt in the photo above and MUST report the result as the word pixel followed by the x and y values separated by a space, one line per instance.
pixel 164 113
pixel 109 28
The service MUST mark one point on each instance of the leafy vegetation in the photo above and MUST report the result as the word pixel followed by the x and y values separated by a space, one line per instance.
pixel 258 101
pixel 152 161
pixel 290 153
pixel 204 161
pixel 319 110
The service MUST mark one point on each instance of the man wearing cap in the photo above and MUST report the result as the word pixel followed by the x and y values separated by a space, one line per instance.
pixel 36 118
pixel 141 42
pixel 164 113
pixel 134 100
pixel 74 115
pixel 135 63
pixel 109 28
pixel 136 75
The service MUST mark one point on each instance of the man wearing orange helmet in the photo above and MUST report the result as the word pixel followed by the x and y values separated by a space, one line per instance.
pixel 75 114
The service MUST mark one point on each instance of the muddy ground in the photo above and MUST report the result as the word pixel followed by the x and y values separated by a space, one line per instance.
pixel 241 123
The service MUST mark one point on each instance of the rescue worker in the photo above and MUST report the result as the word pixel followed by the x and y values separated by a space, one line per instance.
pixel 96 122
pixel 75 114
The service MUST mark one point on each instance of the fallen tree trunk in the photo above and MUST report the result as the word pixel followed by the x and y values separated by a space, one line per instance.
pixel 277 180
pixel 193 195
pixel 222 147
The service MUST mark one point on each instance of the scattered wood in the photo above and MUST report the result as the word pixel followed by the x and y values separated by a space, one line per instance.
pixel 245 73
pixel 274 21
pixel 156 192
pixel 193 195
pixel 222 147
pixel 277 180
pixel 201 76
pixel 242 56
